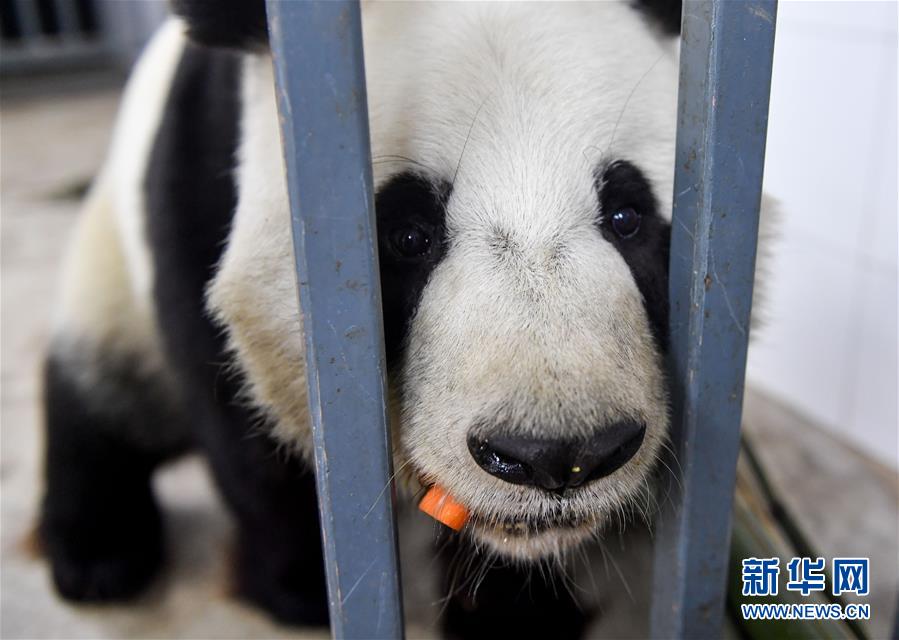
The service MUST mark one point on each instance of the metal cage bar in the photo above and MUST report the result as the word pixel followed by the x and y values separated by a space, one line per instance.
pixel 29 19
pixel 725 79
pixel 66 13
pixel 317 49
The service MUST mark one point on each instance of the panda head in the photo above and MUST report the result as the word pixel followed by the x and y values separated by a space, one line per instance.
pixel 523 161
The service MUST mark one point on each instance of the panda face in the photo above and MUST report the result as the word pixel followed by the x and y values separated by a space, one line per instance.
pixel 522 346
pixel 523 164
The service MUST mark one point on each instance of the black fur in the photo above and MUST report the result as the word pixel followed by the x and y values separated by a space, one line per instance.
pixel 191 197
pixel 100 525
pixel 622 185
pixel 407 200
pixel 237 24
pixel 665 13
pixel 509 602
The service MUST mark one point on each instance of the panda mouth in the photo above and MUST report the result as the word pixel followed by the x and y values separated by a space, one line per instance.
pixel 528 540
pixel 524 526
pixel 529 527
pixel 527 536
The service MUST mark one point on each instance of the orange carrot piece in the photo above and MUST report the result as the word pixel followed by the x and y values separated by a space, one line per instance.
pixel 440 505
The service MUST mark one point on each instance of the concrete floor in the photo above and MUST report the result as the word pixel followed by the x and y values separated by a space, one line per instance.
pixel 50 146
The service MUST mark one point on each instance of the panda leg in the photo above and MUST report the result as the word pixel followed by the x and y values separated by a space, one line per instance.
pixel 111 417
pixel 100 524
pixel 279 564
pixel 509 602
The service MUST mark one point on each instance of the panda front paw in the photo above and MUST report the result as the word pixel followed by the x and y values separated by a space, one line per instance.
pixel 103 559
pixel 282 580
pixel 103 579
pixel 287 606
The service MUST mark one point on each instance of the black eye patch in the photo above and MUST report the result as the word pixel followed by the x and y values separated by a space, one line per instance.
pixel 411 211
pixel 643 242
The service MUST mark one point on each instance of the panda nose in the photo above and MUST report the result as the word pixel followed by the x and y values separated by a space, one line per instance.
pixel 556 465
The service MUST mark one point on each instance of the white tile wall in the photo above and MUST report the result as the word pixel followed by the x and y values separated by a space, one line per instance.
pixel 830 344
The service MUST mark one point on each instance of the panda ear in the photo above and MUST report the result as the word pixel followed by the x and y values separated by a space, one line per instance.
pixel 665 13
pixel 235 24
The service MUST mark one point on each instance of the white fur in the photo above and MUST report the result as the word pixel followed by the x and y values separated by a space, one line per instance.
pixel 106 294
pixel 254 291
pixel 143 104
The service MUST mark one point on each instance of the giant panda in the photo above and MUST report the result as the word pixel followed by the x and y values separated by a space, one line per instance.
pixel 523 163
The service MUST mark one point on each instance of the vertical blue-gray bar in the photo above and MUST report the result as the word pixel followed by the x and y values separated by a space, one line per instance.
pixel 29 20
pixel 317 49
pixel 725 77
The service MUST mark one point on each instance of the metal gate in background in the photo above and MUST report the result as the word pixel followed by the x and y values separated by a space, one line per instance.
pixel 61 35
pixel 726 55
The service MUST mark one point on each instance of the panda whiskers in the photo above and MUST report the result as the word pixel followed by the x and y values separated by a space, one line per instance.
pixel 676 476
pixel 646 505
pixel 463 574
pixel 452 573
pixel 468 137
pixel 560 568
pixel 385 487
pixel 622 518
pixel 392 157
pixel 486 565
pixel 608 559
pixel 588 568
pixel 669 453
pixel 627 102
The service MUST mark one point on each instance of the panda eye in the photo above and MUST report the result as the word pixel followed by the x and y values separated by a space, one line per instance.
pixel 626 222
pixel 411 242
